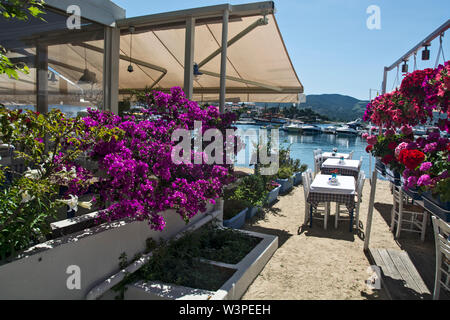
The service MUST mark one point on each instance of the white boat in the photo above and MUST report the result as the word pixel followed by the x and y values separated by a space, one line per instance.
pixel 311 129
pixel 346 130
pixel 293 128
pixel 329 130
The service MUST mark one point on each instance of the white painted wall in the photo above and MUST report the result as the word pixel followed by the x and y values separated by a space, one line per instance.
pixel 42 275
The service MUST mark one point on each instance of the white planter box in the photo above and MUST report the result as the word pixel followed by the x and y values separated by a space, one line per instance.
pixel 233 289
pixel 40 272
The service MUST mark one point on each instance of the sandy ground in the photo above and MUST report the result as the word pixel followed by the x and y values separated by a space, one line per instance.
pixel 313 263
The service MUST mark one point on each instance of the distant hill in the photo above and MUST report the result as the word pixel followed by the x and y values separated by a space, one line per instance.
pixel 336 106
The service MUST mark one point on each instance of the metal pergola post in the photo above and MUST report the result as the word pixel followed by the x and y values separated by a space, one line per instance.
pixel 189 58
pixel 223 60
pixel 111 61
pixel 41 78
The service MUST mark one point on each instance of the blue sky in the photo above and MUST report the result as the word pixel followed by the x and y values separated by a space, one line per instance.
pixel 329 43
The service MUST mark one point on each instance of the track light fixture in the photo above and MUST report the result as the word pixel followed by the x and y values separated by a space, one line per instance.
pixel 426 53
pixel 404 67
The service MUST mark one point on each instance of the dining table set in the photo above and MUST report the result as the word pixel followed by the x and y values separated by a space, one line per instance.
pixel 337 182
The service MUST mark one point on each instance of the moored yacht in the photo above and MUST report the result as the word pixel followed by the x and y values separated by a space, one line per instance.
pixel 329 130
pixel 311 129
pixel 293 128
pixel 346 130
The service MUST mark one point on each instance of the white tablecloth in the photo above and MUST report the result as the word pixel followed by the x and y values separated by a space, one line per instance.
pixel 327 155
pixel 345 186
pixel 348 164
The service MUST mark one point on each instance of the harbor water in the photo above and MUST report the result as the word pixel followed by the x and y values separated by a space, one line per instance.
pixel 302 146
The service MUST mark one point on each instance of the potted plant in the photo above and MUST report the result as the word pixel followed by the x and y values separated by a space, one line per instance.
pixel 298 169
pixel 252 189
pixel 273 189
pixel 284 178
pixel 234 213
pixel 432 176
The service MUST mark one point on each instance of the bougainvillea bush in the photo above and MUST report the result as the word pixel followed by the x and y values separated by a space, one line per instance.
pixel 139 179
pixel 133 173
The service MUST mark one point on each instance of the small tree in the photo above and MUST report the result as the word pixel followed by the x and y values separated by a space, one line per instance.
pixel 21 10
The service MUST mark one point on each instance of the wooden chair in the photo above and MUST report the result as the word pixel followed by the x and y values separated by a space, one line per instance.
pixel 318 160
pixel 359 190
pixel 323 209
pixel 407 217
pixel 442 240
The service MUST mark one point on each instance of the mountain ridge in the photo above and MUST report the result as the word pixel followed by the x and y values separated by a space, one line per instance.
pixel 336 106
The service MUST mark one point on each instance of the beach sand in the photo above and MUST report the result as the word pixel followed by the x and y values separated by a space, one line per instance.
pixel 313 263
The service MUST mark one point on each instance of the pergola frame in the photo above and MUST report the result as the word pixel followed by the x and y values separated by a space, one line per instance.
pixel 192 17
pixel 111 24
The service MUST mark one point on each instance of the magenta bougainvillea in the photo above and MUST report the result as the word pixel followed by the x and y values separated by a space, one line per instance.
pixel 139 178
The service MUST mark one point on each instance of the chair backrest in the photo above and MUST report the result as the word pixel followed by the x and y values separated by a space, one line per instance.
pixel 310 175
pixel 360 184
pixel 318 160
pixel 441 236
pixel 305 179
pixel 350 156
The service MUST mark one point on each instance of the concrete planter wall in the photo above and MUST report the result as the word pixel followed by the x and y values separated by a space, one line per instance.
pixel 286 184
pixel 297 177
pixel 233 289
pixel 237 221
pixel 393 176
pixel 436 206
pixel 251 212
pixel 41 271
pixel 273 195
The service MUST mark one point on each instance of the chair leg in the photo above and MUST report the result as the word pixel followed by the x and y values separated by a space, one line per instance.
pixel 351 219
pixel 357 215
pixel 336 220
pixel 424 225
pixel 305 220
pixel 400 215
pixel 393 216
pixel 437 279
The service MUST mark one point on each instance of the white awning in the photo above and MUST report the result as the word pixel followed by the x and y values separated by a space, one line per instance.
pixel 258 68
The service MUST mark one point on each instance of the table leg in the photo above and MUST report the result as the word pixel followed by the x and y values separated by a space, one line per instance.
pixel 351 220
pixel 310 215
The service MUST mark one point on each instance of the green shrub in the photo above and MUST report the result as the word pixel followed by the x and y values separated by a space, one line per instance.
pixel 179 261
pixel 252 190
pixel 285 173
pixel 232 207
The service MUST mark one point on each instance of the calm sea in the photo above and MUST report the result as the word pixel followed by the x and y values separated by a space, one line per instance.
pixel 302 146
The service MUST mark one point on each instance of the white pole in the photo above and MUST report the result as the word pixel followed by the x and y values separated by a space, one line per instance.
pixel 223 64
pixel 370 213
pixel 189 58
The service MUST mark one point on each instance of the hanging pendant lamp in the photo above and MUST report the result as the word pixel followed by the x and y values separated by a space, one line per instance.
pixel 130 67
pixel 88 76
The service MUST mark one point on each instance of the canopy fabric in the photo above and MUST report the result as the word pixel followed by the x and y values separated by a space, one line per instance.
pixel 260 56
pixel 258 66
